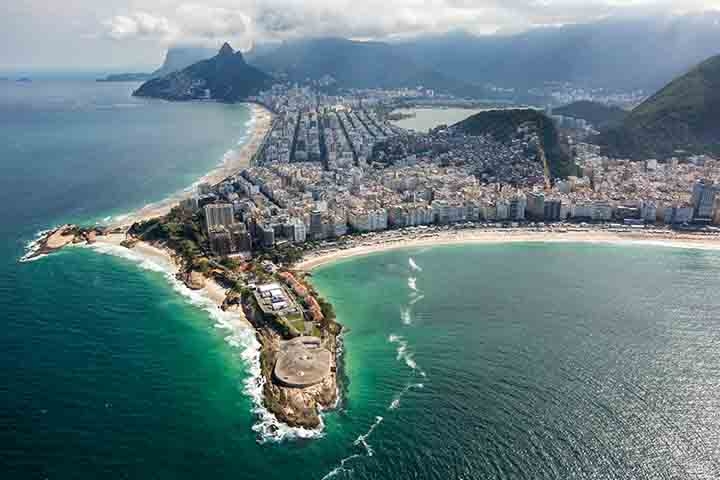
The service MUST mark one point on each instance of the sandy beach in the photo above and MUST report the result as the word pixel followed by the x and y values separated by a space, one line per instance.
pixel 516 235
pixel 163 258
pixel 262 121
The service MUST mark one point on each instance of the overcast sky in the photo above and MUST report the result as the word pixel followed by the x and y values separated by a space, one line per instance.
pixel 121 34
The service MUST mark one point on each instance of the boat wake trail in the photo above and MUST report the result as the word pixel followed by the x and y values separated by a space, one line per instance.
pixel 360 441
pixel 396 401
pixel 414 265
pixel 404 354
pixel 412 284
pixel 405 316
pixel 414 298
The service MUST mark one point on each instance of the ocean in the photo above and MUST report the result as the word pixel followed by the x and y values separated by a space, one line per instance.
pixel 516 361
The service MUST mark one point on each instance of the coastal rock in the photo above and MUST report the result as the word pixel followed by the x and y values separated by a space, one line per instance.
pixel 194 280
pixel 296 407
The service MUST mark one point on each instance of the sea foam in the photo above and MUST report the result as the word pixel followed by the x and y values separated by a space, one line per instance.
pixel 240 335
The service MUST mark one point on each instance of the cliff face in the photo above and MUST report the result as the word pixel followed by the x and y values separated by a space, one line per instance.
pixel 225 77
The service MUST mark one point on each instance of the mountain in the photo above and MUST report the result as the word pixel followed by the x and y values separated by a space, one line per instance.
pixel 598 114
pixel 225 77
pixel 615 53
pixel 681 116
pixel 355 64
pixel 178 58
pixel 503 126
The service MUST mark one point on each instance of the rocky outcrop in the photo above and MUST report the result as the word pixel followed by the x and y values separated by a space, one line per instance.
pixel 61 237
pixel 296 407
pixel 193 280
pixel 225 77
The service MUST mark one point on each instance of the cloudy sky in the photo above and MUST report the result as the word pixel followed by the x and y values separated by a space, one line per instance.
pixel 122 34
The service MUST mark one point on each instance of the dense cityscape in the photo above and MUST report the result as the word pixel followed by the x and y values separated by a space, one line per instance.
pixel 334 165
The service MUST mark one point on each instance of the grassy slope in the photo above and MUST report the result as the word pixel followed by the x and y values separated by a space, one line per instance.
pixel 681 116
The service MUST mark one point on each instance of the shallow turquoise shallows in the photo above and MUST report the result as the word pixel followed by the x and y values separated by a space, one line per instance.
pixel 522 361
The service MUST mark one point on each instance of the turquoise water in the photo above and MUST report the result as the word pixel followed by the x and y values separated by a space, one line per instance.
pixel 503 362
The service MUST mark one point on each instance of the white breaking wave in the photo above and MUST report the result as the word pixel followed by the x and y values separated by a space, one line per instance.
pixel 33 246
pixel 240 335
pixel 414 265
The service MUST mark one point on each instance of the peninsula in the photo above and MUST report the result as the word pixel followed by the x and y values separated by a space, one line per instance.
pixel 325 177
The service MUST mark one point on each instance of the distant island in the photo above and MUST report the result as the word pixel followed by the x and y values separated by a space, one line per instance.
pixel 126 77
pixel 176 59
pixel 225 77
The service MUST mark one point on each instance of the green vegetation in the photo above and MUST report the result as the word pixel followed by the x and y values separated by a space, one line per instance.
pixel 180 230
pixel 286 254
pixel 503 126
pixel 599 115
pixel 680 117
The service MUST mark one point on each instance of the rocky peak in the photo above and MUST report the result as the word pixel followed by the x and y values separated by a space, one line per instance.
pixel 226 50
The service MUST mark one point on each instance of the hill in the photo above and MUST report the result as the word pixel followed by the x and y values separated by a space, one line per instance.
pixel 225 77
pixel 681 116
pixel 598 114
pixel 355 64
pixel 503 125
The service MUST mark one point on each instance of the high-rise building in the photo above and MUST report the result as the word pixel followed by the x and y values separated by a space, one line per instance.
pixel 220 240
pixel 218 214
pixel 535 209
pixel 703 199
pixel 316 227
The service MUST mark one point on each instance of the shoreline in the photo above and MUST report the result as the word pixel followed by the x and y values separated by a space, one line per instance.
pixel 241 333
pixel 323 257
pixel 261 122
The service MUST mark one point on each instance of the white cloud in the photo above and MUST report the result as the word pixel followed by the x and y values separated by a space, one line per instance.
pixel 243 21
pixel 139 24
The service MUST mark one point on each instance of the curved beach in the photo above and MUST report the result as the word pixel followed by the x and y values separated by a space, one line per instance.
pixel 417 239
pixel 235 161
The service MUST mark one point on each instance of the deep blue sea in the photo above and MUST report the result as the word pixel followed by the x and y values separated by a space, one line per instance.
pixel 518 361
